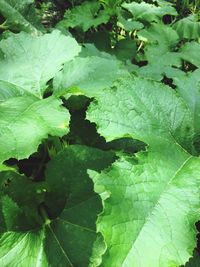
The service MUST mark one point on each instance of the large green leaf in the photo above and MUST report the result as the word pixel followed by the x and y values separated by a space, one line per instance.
pixel 29 62
pixel 149 12
pixel 144 110
pixel 93 16
pixel 151 205
pixel 25 121
pixel 145 197
pixel 188 28
pixel 20 15
pixel 75 226
pixel 159 34
pixel 70 168
pixel 88 75
pixel 67 237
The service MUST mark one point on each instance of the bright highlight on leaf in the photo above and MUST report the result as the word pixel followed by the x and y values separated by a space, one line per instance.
pixel 29 62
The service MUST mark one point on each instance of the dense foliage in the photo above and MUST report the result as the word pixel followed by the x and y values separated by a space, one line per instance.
pixel 99 133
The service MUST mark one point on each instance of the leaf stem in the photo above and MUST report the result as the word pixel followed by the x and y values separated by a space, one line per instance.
pixel 3 26
pixel 140 46
pixel 44 214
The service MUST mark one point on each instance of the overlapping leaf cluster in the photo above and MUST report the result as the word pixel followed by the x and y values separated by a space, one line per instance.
pixel 99 135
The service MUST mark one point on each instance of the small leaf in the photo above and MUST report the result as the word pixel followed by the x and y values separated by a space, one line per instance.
pixel 93 16
pixel 191 53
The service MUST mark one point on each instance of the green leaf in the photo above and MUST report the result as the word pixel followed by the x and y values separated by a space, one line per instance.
pixel 9 90
pixel 149 202
pixel 75 226
pixel 29 62
pixel 188 86
pixel 89 50
pixel 127 23
pixel 159 34
pixel 144 110
pixel 26 121
pixel 152 198
pixel 125 49
pixel 21 198
pixel 148 12
pixel 62 239
pixel 22 249
pixel 88 76
pixel 72 181
pixel 188 28
pixel 93 16
pixel 20 15
pixel 159 44
pixel 191 53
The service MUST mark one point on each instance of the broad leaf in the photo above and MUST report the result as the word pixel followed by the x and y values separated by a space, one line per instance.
pixel 149 12
pixel 191 53
pixel 70 168
pixel 159 44
pixel 127 23
pixel 93 16
pixel 69 237
pixel 88 75
pixel 75 226
pixel 26 121
pixel 20 15
pixel 188 28
pixel 145 199
pixel 30 62
pixel 144 110
pixel 159 34
pixel 147 193
pixel 125 49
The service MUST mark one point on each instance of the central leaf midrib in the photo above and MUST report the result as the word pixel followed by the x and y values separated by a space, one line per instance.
pixel 61 248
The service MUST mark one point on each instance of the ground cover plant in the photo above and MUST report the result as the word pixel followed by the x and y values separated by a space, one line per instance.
pixel 99 133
